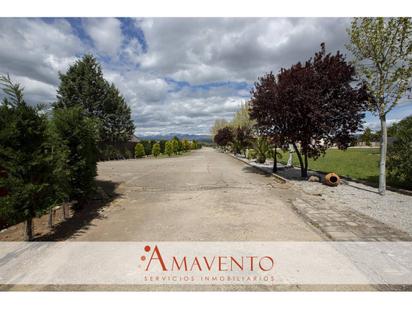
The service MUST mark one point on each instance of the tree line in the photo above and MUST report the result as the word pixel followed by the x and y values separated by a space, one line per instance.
pixel 174 146
pixel 49 156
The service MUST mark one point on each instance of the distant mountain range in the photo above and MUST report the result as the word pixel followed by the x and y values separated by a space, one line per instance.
pixel 181 136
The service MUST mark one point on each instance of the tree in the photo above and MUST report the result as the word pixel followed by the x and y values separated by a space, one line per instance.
pixel 242 138
pixel 61 172
pixel 382 48
pixel 311 106
pixel 79 134
pixel 169 148
pixel 115 119
pixel 219 124
pixel 186 145
pixel 147 147
pixel 162 145
pixel 366 137
pixel 242 118
pixel 156 150
pixel 25 158
pixel 84 85
pixel 400 154
pixel 194 145
pixel 224 136
pixel 177 145
pixel 139 150
pixel 261 148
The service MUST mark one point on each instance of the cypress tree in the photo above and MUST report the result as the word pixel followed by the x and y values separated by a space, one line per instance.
pixel 84 85
pixel 26 160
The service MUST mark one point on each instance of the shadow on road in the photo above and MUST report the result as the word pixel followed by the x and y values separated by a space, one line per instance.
pixel 255 170
pixel 80 221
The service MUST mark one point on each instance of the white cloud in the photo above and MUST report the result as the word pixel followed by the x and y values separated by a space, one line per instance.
pixel 195 51
pixel 200 50
pixel 29 45
pixel 106 34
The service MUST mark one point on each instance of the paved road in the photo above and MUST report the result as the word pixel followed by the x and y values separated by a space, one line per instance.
pixel 202 196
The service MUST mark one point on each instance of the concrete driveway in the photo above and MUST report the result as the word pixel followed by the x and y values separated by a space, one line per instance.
pixel 201 196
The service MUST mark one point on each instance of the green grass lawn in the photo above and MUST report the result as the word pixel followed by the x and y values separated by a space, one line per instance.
pixel 357 163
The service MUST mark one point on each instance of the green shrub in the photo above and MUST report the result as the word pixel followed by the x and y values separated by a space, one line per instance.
pixel 147 147
pixel 250 154
pixel 186 145
pixel 261 148
pixel 139 151
pixel 128 154
pixel 175 146
pixel 156 150
pixel 162 146
pixel 169 148
pixel 400 154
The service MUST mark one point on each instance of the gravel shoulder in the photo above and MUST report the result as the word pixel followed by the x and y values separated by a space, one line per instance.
pixel 393 209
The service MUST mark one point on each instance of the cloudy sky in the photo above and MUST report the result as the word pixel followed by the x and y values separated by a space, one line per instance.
pixel 177 74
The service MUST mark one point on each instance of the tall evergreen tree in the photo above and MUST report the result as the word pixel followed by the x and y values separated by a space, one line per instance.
pixel 117 125
pixel 84 85
pixel 26 160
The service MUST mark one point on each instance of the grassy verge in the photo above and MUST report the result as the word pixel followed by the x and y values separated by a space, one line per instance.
pixel 357 163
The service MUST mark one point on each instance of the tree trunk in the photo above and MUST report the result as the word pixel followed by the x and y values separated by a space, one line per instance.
pixel 275 162
pixel 64 211
pixel 306 165
pixel 303 172
pixel 50 222
pixel 382 163
pixel 28 234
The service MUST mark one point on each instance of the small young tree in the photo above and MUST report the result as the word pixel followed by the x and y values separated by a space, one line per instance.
pixel 156 150
pixel 162 145
pixel 186 145
pixel 196 145
pixel 169 148
pixel 400 154
pixel 175 145
pixel 219 124
pixel 25 159
pixel 366 136
pixel 382 48
pixel 261 148
pixel 224 137
pixel 139 150
pixel 242 138
pixel 147 147
pixel 242 119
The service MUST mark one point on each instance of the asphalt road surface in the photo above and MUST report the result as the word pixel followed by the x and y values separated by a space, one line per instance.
pixel 202 196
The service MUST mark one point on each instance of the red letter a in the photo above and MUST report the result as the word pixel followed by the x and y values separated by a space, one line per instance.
pixel 159 258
